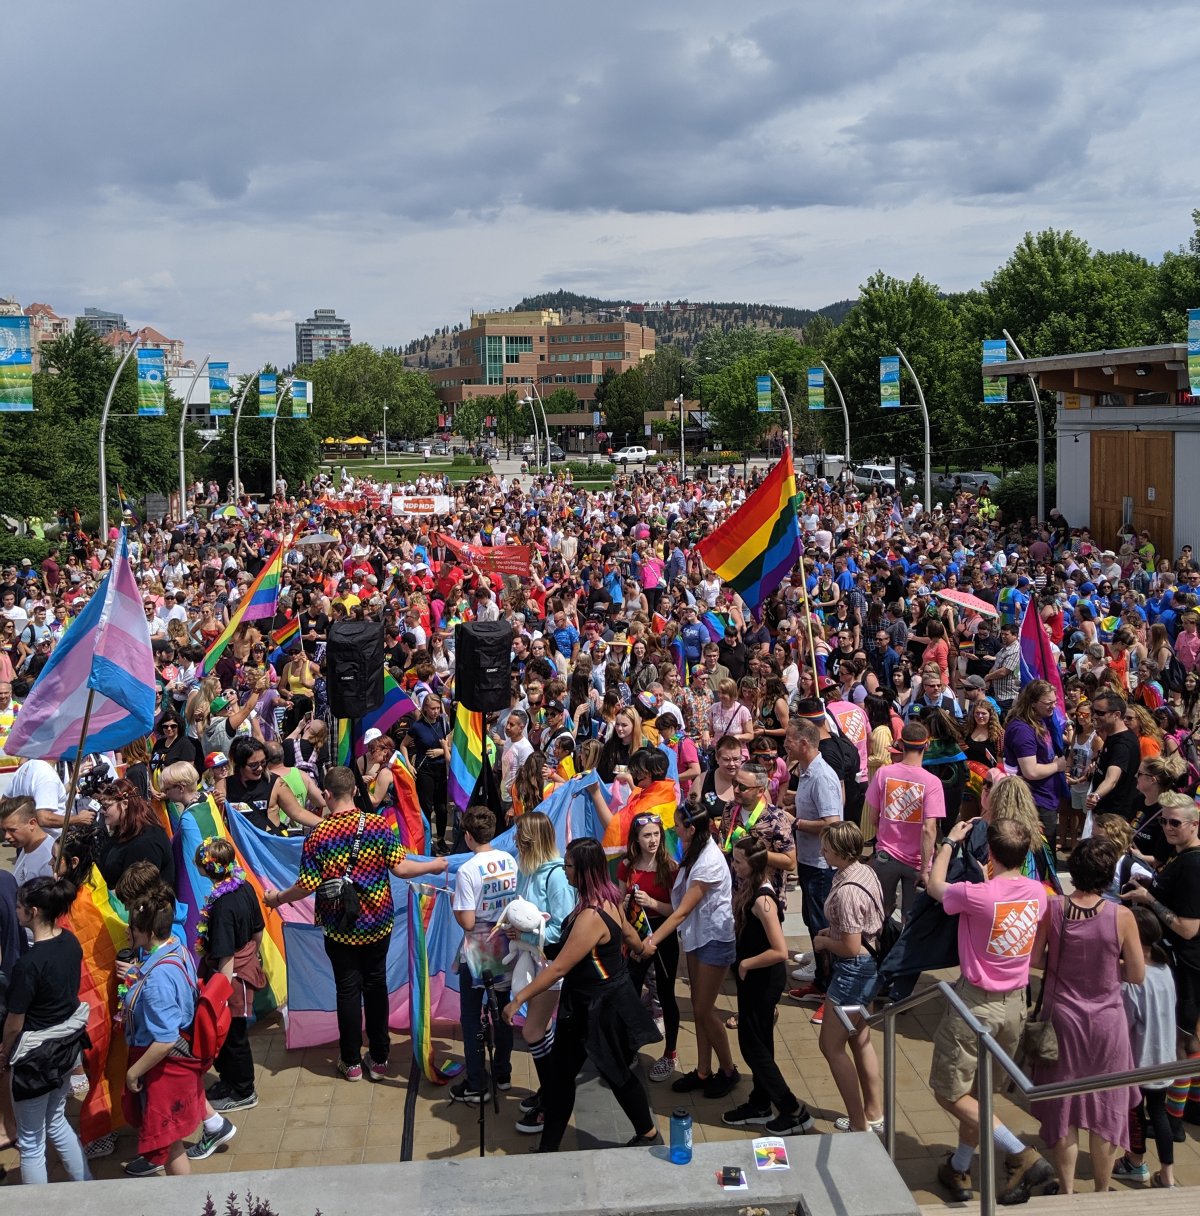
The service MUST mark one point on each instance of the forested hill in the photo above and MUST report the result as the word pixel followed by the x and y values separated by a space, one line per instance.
pixel 681 323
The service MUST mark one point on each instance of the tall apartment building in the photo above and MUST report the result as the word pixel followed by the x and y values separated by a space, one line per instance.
pixel 324 333
pixel 103 323
pixel 505 350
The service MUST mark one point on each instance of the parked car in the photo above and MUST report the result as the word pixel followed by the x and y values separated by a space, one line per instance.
pixel 556 453
pixel 876 476
pixel 972 482
pixel 634 454
pixel 439 449
pixel 527 449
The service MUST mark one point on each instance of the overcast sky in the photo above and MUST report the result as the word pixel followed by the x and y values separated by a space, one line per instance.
pixel 221 169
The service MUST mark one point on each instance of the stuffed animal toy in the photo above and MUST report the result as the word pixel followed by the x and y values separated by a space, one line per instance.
pixel 527 954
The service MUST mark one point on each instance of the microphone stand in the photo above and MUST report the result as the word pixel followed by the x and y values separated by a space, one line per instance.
pixel 487 1042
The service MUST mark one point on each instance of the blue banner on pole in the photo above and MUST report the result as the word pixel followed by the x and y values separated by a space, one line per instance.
pixel 889 382
pixel 995 388
pixel 266 395
pixel 16 365
pixel 218 389
pixel 764 394
pixel 301 398
pixel 816 388
pixel 1193 351
pixel 152 383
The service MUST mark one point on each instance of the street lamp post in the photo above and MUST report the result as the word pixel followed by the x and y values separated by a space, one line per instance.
pixel 237 419
pixel 787 405
pixel 925 417
pixel 682 443
pixel 536 398
pixel 385 454
pixel 1041 425
pixel 845 411
pixel 274 420
pixel 112 388
pixel 182 419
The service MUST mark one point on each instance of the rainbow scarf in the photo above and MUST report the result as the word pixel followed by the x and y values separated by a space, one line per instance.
pixel 96 918
pixel 658 798
pixel 420 1020
pixel 257 604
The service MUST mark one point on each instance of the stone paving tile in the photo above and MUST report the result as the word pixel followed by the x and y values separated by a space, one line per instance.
pixel 308 1115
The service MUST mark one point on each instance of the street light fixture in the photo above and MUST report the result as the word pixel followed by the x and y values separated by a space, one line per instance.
pixel 530 400
pixel 385 454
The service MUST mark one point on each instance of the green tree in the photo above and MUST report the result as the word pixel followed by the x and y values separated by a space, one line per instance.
pixel 468 418
pixel 1177 288
pixel 562 401
pixel 626 400
pixel 512 418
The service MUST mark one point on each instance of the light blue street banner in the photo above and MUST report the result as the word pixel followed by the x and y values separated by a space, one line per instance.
pixel 301 398
pixel 218 389
pixel 889 382
pixel 152 383
pixel 764 394
pixel 16 365
pixel 1194 350
pixel 816 388
pixel 267 401
pixel 995 388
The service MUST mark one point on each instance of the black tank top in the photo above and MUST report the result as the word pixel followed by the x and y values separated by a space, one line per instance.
pixel 602 965
pixel 753 938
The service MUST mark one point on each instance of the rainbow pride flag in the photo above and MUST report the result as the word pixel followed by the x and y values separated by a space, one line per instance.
pixel 396 705
pixel 715 623
pixel 466 755
pixel 96 918
pixel 758 545
pixel 677 653
pixel 283 637
pixel 410 823
pixel 257 604
pixel 659 798
pixel 421 903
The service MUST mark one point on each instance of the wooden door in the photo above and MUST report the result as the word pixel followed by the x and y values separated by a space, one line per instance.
pixel 1138 465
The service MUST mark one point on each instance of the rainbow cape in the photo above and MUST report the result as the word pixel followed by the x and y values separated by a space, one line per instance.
pixel 257 604
pixel 659 798
pixel 757 546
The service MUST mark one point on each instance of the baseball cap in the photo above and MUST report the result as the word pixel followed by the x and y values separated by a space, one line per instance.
pixel 217 704
pixel 974 682
pixel 371 735
pixel 554 707
pixel 216 760
pixel 1087 588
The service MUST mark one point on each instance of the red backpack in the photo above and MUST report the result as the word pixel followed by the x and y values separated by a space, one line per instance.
pixel 210 1024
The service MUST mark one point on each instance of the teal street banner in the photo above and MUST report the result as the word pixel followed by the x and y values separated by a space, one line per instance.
pixel 1194 350
pixel 301 398
pixel 267 402
pixel 764 394
pixel 889 382
pixel 816 388
pixel 152 383
pixel 16 366
pixel 995 388
pixel 218 389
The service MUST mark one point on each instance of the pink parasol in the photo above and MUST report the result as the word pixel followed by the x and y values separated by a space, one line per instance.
pixel 963 599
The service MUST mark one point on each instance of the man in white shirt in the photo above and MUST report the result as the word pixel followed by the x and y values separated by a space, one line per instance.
pixel 35 847
pixel 37 780
pixel 517 749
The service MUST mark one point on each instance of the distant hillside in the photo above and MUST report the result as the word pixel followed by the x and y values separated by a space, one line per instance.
pixel 681 323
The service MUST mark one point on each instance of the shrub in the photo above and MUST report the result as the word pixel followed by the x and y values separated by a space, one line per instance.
pixel 580 469
pixel 1016 495
pixel 14 548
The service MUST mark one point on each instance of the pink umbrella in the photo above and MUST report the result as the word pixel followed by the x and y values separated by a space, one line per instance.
pixel 963 599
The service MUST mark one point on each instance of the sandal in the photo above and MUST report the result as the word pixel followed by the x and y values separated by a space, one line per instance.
pixel 731 1022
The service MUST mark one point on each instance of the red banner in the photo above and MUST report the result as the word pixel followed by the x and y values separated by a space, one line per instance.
pixel 497 559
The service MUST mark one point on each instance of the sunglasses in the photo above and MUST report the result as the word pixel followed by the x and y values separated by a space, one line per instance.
pixel 1177 823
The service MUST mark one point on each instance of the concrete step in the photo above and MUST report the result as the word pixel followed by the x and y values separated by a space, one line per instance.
pixel 1125 1201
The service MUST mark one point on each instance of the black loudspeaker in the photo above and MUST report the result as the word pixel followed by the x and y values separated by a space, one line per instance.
pixel 354 668
pixel 482 659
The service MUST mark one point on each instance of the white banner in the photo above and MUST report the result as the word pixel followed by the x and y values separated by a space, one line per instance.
pixel 421 504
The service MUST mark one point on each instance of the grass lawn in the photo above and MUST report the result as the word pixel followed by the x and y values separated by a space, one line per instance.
pixel 409 469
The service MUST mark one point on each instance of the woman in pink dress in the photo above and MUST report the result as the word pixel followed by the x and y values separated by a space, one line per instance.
pixel 1088 946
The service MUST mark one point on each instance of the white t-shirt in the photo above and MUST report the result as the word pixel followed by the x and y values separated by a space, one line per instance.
pixel 486 885
pixel 37 780
pixel 38 864
pixel 711 920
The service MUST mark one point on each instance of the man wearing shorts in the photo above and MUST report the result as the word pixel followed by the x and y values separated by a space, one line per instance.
pixel 997 922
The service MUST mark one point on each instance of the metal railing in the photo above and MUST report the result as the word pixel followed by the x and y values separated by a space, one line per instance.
pixel 988 1051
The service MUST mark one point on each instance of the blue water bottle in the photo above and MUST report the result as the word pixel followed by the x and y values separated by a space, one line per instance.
pixel 681 1136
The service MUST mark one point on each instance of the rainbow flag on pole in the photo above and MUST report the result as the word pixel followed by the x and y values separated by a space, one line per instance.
pixel 257 604
pixel 466 755
pixel 755 548
pixel 283 637
pixel 396 705
pixel 420 1019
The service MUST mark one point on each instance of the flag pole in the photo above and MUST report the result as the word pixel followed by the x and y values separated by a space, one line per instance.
pixel 74 786
pixel 812 646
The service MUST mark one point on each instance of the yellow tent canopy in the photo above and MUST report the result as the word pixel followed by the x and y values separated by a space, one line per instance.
pixel 331 440
pixel 357 439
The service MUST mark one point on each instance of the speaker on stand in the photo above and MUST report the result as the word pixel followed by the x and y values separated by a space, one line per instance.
pixel 482 665
pixel 354 668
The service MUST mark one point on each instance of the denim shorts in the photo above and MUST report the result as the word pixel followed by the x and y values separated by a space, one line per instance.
pixel 715 954
pixel 850 979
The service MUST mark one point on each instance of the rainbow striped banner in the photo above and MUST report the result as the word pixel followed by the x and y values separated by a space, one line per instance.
pixel 397 704
pixel 421 904
pixel 466 755
pixel 257 604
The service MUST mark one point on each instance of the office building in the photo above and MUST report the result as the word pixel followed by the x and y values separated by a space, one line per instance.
pixel 103 323
pixel 500 351
pixel 324 333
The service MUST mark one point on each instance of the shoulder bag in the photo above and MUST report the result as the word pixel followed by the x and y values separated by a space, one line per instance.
pixel 340 894
pixel 1038 1043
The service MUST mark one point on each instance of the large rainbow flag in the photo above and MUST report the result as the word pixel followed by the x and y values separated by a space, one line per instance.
pixel 755 548
pixel 257 604
pixel 466 755
pixel 658 798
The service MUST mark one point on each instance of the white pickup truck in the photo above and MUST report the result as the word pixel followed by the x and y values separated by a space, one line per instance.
pixel 633 455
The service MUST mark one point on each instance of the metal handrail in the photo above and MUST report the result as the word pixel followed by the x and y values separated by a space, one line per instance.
pixel 989 1050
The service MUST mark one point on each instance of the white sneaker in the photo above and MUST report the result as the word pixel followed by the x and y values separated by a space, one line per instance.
pixel 842 1124
pixel 805 959
pixel 805 975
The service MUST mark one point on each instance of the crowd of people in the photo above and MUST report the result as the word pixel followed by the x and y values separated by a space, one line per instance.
pixel 867 745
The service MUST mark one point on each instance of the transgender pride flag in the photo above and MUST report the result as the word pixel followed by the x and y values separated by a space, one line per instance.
pixel 105 651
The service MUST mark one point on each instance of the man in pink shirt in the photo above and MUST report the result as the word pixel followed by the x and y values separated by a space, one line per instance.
pixel 1187 642
pixel 905 803
pixel 997 922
